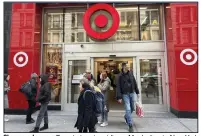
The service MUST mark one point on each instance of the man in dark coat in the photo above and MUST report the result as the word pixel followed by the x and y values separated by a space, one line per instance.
pixel 44 97
pixel 86 119
pixel 126 89
pixel 31 98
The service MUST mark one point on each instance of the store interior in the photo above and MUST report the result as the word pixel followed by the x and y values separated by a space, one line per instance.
pixel 113 67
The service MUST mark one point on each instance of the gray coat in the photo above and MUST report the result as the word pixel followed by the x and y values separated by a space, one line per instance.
pixel 105 88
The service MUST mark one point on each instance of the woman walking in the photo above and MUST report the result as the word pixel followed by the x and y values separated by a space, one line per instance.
pixel 6 90
pixel 86 119
pixel 104 86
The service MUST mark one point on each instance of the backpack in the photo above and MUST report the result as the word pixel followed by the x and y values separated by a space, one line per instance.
pixel 25 88
pixel 98 101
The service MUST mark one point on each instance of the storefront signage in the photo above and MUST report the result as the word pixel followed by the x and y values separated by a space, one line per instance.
pixel 20 59
pixel 188 57
pixel 101 21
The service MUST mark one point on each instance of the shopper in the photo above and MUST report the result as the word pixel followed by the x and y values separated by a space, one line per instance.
pixel 86 119
pixel 6 90
pixel 126 89
pixel 44 98
pixel 90 77
pixel 104 86
pixel 31 98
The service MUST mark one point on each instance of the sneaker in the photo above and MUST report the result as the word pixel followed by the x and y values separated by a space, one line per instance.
pixel 100 122
pixel 104 124
pixel 30 122
pixel 131 129
pixel 6 119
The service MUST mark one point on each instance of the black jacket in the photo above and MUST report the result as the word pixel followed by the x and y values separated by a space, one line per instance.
pixel 45 90
pixel 121 84
pixel 86 115
pixel 33 90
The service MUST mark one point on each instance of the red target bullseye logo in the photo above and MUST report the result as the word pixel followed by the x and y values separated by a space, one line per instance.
pixel 101 21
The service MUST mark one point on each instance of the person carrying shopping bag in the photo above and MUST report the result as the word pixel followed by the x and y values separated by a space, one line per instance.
pixel 126 90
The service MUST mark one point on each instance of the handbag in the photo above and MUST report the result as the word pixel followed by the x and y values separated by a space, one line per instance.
pixel 139 110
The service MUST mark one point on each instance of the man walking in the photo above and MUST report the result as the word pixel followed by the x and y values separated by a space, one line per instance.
pixel 126 89
pixel 31 98
pixel 44 98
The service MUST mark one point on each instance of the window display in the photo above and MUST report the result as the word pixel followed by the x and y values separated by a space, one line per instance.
pixel 52 65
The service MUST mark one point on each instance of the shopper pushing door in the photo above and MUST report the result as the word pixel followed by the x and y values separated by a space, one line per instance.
pixel 126 89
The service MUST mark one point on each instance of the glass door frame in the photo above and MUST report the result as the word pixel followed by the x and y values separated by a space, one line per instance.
pixel 156 107
pixel 66 98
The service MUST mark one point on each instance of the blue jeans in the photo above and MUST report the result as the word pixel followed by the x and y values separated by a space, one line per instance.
pixel 128 100
pixel 104 116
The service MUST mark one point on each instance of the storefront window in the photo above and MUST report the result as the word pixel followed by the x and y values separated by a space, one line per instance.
pixel 73 27
pixel 52 65
pixel 53 26
pixel 75 73
pixel 129 26
pixel 150 22
pixel 151 81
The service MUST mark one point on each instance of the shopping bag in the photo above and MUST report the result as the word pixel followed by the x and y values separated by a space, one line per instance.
pixel 139 110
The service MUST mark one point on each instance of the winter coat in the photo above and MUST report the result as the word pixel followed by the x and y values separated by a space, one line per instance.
pixel 33 90
pixel 86 115
pixel 105 88
pixel 6 87
pixel 122 84
pixel 6 90
pixel 45 90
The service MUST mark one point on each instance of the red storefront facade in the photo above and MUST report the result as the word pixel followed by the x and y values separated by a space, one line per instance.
pixel 180 29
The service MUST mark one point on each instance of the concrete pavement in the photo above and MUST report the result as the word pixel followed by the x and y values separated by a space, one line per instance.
pixel 60 121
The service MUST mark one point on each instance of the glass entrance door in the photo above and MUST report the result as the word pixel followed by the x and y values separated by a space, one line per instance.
pixel 75 67
pixel 150 73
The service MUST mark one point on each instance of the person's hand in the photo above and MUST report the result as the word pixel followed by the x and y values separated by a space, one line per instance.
pixel 138 96
pixel 120 101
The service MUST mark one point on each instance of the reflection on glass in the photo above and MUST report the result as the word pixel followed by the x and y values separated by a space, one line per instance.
pixel 53 26
pixel 150 22
pixel 75 70
pixel 74 30
pixel 151 81
pixel 128 28
pixel 52 65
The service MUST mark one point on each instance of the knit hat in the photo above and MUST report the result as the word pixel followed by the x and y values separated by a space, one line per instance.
pixel 34 75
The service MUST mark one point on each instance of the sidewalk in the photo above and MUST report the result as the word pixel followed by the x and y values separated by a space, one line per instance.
pixel 152 122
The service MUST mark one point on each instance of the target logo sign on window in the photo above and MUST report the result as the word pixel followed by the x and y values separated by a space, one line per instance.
pixel 188 57
pixel 20 59
pixel 101 21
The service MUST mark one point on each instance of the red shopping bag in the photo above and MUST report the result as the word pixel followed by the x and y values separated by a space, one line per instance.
pixel 139 110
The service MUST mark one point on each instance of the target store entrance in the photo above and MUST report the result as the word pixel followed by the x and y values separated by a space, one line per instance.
pixel 74 43
pixel 148 71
